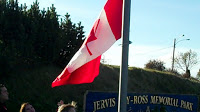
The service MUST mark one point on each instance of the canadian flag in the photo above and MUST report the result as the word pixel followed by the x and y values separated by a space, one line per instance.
pixel 84 66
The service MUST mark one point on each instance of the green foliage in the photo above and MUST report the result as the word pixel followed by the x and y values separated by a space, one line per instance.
pixel 155 64
pixel 72 38
pixel 31 36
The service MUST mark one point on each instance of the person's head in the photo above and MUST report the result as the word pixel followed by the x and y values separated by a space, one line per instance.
pixel 68 107
pixel 27 107
pixel 3 93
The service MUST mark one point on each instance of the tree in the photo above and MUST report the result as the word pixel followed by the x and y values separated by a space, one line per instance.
pixel 198 75
pixel 31 36
pixel 72 37
pixel 185 61
pixel 155 64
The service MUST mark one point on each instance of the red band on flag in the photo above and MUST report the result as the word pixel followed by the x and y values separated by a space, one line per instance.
pixel 113 9
pixel 84 74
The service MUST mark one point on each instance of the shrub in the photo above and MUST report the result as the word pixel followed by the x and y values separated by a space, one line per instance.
pixel 174 71
pixel 156 65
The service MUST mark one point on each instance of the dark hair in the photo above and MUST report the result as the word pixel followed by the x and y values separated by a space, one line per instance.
pixel 1 86
pixel 66 108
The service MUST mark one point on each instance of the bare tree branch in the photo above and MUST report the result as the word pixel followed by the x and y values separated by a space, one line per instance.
pixel 185 61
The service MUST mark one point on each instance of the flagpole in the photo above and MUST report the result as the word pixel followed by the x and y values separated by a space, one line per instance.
pixel 123 78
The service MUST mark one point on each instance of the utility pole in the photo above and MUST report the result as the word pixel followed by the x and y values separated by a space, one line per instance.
pixel 173 54
pixel 174 47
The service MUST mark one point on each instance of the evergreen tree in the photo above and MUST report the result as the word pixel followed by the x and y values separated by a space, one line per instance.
pixel 72 37
pixel 29 36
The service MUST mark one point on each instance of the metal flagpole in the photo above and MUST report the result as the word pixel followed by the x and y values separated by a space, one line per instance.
pixel 123 78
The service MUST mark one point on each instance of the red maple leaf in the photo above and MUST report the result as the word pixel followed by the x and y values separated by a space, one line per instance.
pixel 92 36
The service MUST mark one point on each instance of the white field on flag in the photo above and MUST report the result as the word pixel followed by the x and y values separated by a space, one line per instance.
pixel 104 40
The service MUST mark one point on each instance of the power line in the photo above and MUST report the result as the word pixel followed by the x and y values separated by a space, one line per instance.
pixel 154 51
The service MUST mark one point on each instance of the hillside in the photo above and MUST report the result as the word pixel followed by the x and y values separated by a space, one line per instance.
pixel 33 84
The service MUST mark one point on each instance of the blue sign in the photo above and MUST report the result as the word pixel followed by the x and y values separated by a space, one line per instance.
pixel 108 102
